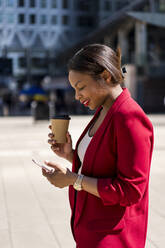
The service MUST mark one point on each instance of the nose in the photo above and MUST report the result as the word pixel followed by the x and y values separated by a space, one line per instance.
pixel 77 96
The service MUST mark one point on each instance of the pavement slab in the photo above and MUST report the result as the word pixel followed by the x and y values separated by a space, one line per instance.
pixel 35 214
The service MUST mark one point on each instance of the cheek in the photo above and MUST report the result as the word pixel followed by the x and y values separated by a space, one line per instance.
pixel 97 92
pixel 93 90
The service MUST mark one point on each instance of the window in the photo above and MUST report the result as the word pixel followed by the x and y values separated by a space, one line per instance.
pixel 85 21
pixel 22 62
pixel 10 3
pixel 32 3
pixel 43 4
pixel 162 5
pixel 32 19
pixel 10 18
pixel 65 20
pixel 64 4
pixel 1 17
pixel 83 5
pixel 54 19
pixel 21 18
pixel 43 19
pixel 54 4
pixel 121 4
pixel 107 6
pixel 146 8
pixel 39 63
pixel 21 3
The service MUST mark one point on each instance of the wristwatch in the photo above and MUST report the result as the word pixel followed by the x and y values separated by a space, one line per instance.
pixel 78 183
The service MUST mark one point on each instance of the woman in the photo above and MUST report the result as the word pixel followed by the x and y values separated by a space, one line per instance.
pixel 108 185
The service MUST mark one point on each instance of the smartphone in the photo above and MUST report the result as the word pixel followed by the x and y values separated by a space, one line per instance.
pixel 46 168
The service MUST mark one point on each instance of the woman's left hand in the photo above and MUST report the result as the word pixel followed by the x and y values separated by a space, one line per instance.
pixel 61 177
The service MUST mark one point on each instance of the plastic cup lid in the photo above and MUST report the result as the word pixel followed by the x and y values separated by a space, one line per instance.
pixel 63 117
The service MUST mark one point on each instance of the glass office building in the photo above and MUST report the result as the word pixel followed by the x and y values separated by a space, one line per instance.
pixel 33 32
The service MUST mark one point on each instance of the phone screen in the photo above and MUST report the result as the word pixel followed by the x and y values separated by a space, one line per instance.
pixel 46 168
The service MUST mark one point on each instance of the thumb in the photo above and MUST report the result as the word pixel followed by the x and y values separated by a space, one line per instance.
pixel 53 165
pixel 69 139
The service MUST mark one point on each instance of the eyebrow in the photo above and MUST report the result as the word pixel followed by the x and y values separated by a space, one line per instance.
pixel 77 83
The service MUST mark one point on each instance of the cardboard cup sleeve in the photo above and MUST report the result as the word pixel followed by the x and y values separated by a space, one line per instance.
pixel 59 129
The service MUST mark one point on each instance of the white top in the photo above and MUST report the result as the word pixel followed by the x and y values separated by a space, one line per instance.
pixel 82 147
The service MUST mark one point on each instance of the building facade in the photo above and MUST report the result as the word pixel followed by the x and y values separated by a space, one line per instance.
pixel 33 31
pixel 138 27
pixel 39 36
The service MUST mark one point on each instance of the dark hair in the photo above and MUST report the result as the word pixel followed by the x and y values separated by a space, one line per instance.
pixel 94 59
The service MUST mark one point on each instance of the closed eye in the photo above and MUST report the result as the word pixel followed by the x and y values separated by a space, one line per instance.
pixel 81 88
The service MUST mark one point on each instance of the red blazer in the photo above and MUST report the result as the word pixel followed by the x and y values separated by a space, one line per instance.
pixel 119 155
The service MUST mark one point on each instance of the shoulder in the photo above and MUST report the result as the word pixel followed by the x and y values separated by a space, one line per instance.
pixel 130 114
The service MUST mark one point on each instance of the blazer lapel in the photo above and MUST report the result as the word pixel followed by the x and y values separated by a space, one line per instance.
pixel 76 161
pixel 81 196
pixel 90 155
pixel 93 147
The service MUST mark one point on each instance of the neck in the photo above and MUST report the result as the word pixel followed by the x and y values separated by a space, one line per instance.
pixel 114 92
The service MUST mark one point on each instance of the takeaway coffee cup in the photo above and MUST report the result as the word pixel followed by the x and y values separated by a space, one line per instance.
pixel 60 124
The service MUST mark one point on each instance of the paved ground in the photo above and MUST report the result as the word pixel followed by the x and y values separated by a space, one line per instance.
pixel 33 214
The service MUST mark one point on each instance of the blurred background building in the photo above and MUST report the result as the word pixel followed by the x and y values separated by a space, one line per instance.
pixel 34 31
pixel 39 36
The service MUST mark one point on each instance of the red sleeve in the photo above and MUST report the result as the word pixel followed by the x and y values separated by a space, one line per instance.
pixel 134 137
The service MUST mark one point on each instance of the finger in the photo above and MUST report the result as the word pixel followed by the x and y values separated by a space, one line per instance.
pixel 55 148
pixel 69 139
pixel 46 173
pixel 52 142
pixel 51 135
pixel 53 165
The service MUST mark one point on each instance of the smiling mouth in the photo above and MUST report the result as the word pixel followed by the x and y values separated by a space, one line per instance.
pixel 86 103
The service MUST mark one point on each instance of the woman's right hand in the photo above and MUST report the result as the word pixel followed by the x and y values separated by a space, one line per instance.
pixel 62 150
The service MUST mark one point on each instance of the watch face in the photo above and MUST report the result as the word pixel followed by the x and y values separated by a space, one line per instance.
pixel 77 187
pixel 78 184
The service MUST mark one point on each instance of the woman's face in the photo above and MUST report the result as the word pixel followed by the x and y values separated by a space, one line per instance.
pixel 87 90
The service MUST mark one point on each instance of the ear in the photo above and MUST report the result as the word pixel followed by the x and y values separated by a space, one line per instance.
pixel 106 76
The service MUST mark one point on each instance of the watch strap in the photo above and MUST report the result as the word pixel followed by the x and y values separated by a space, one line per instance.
pixel 78 183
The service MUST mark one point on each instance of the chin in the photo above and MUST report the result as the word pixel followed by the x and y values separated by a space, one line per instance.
pixel 94 107
pixel 91 107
